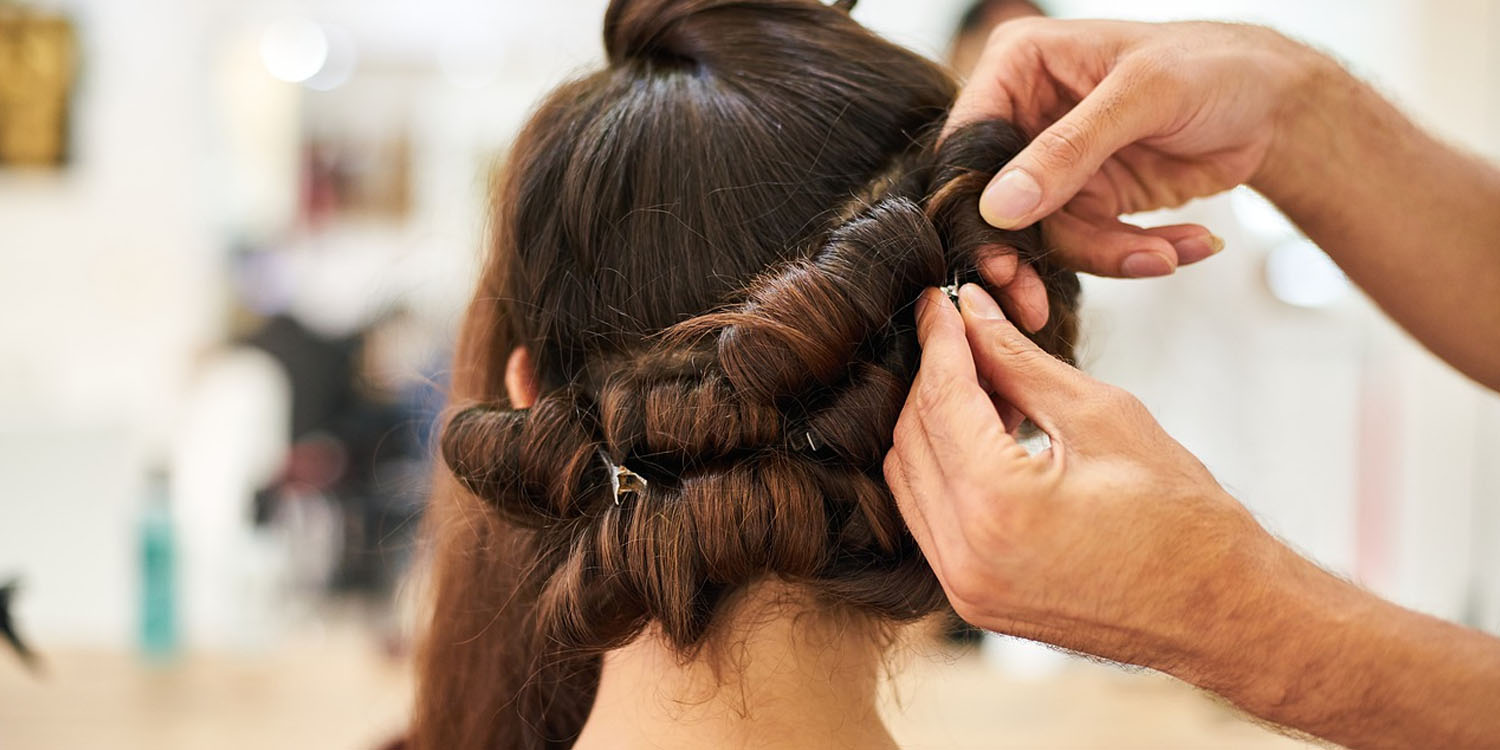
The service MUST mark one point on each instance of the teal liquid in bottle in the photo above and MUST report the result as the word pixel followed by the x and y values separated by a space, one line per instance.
pixel 158 573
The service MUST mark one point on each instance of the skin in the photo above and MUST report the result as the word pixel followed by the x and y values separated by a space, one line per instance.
pixel 785 674
pixel 1116 541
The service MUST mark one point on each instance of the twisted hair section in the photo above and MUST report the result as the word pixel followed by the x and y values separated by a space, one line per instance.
pixel 963 168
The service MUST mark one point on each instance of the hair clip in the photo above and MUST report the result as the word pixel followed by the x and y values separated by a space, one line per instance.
pixel 623 481
pixel 951 290
pixel 813 443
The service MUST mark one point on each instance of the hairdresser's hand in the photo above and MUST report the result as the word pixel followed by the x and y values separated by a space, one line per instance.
pixel 1116 541
pixel 1129 117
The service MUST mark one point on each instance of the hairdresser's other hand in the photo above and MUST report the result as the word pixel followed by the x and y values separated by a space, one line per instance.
pixel 1115 541
pixel 1128 117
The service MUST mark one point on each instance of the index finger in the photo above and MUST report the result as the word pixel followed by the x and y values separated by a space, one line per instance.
pixel 1013 79
pixel 953 409
pixel 984 96
pixel 945 345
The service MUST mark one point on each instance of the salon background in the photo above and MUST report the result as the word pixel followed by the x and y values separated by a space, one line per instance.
pixel 235 240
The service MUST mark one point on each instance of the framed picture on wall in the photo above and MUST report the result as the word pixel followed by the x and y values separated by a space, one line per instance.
pixel 38 65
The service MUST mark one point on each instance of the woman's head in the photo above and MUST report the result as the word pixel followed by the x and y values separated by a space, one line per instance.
pixel 709 250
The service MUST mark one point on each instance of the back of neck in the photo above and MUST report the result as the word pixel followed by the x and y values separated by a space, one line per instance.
pixel 779 675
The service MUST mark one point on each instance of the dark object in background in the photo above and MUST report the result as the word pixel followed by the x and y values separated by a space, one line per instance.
pixel 8 627
pixel 982 16
pixel 358 440
pixel 321 370
pixel 974 27
pixel 958 633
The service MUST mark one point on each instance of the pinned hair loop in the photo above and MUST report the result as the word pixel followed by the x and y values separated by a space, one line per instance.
pixel 623 481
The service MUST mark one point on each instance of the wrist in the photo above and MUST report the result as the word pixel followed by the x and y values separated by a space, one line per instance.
pixel 1283 618
pixel 1234 574
pixel 1305 122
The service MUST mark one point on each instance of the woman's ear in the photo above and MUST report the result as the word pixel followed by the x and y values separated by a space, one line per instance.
pixel 520 379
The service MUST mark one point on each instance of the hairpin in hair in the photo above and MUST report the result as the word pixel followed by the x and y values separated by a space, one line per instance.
pixel 813 443
pixel 951 289
pixel 623 481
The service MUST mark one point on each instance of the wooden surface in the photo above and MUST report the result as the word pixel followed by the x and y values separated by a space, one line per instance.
pixel 337 690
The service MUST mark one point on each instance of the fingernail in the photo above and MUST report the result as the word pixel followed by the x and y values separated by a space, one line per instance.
pixel 1009 197
pixel 1144 264
pixel 979 303
pixel 1194 249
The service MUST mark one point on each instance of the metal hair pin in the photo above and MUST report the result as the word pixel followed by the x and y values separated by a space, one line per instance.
pixel 951 290
pixel 813 443
pixel 623 481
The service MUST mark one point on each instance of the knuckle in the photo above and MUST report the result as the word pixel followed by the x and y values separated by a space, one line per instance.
pixel 1015 30
pixel 924 398
pixel 995 337
pixel 1123 401
pixel 892 469
pixel 1062 145
pixel 968 590
pixel 1019 353
pixel 1109 403
pixel 1163 71
pixel 1000 36
pixel 1114 395
pixel 933 395
pixel 1148 67
pixel 1032 359
pixel 966 610
pixel 901 432
pixel 1095 406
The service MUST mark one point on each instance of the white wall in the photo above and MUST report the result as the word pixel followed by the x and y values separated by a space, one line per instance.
pixel 108 276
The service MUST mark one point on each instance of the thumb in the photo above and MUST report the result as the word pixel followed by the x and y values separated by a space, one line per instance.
pixel 1040 385
pixel 1059 160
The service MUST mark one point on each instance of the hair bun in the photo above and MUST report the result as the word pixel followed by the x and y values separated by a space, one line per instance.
pixel 649 30
pixel 690 31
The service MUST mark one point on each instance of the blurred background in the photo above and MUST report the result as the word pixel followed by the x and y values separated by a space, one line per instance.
pixel 236 239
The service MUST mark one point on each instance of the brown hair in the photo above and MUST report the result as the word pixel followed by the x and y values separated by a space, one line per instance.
pixel 711 249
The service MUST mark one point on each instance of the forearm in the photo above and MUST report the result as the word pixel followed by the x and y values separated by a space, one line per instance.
pixel 1320 655
pixel 1411 220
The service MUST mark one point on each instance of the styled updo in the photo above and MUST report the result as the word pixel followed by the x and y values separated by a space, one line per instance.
pixel 711 250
